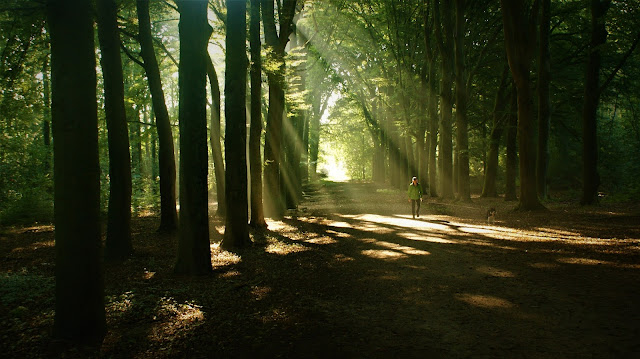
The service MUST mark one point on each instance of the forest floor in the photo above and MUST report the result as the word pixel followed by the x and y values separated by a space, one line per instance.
pixel 351 275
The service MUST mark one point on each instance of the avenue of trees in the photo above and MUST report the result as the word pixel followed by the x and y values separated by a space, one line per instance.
pixel 113 108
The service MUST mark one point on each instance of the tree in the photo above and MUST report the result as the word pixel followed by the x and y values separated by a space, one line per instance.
pixel 462 133
pixel 118 242
pixel 236 232
pixel 511 171
pixel 500 116
pixel 255 130
pixel 544 101
pixel 166 156
pixel 194 251
pixel 444 40
pixel 520 21
pixel 216 148
pixel 275 42
pixel 79 308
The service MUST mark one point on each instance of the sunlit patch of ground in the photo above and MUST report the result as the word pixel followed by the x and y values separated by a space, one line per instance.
pixel 222 258
pixel 485 301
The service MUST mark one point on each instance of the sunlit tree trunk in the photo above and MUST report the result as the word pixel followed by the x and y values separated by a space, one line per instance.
pixel 194 251
pixel 520 21
pixel 544 102
pixel 276 42
pixel 236 232
pixel 462 133
pixel 314 142
pixel 216 148
pixel 166 156
pixel 255 130
pixel 79 294
pixel 118 242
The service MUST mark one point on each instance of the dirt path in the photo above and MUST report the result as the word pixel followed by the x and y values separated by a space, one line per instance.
pixel 454 287
pixel 351 274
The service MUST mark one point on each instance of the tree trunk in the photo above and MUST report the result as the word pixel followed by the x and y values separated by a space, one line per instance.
pixel 276 42
pixel 590 176
pixel 510 193
pixel 118 242
pixel 489 188
pixel 462 133
pixel 255 130
pixel 314 143
pixel 216 148
pixel 236 233
pixel 444 33
pixel 432 113
pixel 520 29
pixel 79 294
pixel 544 102
pixel 166 156
pixel 194 251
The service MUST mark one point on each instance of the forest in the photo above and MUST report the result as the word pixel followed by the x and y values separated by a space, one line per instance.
pixel 228 178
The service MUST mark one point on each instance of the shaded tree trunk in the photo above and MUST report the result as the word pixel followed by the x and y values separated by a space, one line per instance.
pixel 236 232
pixel 79 294
pixel 510 193
pixel 118 242
pixel 194 251
pixel 166 155
pixel 216 148
pixel 462 132
pixel 520 22
pixel 544 102
pixel 444 33
pixel 255 130
pixel 590 175
pixel 500 116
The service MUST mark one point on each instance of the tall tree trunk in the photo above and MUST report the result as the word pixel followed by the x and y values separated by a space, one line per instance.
pixel 489 188
pixel 510 193
pixel 432 115
pixel 236 233
pixel 444 33
pixel 520 22
pixel 118 242
pixel 46 108
pixel 216 148
pixel 544 102
pixel 194 251
pixel 255 130
pixel 462 132
pixel 46 115
pixel 314 143
pixel 166 155
pixel 79 295
pixel 590 176
pixel 276 42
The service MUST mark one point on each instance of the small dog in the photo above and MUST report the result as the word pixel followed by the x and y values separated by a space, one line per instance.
pixel 491 215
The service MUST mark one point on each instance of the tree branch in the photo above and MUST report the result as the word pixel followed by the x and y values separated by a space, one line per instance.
pixel 130 55
pixel 620 64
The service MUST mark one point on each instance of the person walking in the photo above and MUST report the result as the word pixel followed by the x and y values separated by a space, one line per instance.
pixel 415 196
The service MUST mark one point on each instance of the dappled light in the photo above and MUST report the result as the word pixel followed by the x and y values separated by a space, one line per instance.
pixel 485 301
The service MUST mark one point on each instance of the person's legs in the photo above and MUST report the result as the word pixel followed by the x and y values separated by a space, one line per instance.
pixel 413 208
pixel 418 209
